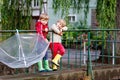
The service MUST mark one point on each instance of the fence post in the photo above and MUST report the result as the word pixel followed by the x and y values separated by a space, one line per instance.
pixel 89 63
pixel 84 61
pixel 113 53
pixel 85 39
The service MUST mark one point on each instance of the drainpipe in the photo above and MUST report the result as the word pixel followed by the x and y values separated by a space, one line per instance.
pixel 44 9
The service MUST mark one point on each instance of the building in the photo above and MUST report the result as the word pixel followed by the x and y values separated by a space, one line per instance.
pixel 73 17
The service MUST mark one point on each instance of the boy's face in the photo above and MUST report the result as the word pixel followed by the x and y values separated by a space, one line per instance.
pixel 59 24
pixel 44 22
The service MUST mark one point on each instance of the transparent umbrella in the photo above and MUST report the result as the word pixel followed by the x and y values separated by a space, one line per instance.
pixel 22 50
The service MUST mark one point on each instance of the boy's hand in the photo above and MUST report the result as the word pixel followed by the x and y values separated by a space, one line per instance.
pixel 65 28
pixel 61 34
pixel 46 41
pixel 46 29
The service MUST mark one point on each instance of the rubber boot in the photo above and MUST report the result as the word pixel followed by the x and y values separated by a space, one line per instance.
pixel 40 66
pixel 56 59
pixel 46 65
pixel 54 67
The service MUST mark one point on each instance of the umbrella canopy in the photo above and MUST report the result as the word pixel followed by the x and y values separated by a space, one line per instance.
pixel 22 50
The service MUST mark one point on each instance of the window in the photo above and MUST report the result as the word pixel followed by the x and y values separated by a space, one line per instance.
pixel 72 18
pixel 35 3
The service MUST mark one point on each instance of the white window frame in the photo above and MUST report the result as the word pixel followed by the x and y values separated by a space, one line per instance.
pixel 71 19
pixel 35 3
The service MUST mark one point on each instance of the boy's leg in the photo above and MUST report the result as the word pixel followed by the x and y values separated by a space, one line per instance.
pixel 53 48
pixel 40 66
pixel 46 62
pixel 56 59
pixel 54 67
pixel 61 50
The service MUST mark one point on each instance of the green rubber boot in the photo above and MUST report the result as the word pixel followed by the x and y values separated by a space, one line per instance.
pixel 40 66
pixel 46 66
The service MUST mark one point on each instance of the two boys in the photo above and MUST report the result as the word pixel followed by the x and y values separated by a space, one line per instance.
pixel 56 47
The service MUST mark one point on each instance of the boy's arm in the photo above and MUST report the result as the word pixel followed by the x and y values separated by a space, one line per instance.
pixel 65 28
pixel 39 29
pixel 56 30
pixel 46 28
pixel 46 41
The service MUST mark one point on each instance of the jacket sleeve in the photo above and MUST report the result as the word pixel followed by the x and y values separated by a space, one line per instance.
pixel 39 29
pixel 54 28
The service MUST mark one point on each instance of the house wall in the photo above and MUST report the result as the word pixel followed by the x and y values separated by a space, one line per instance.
pixel 54 17
pixel 93 4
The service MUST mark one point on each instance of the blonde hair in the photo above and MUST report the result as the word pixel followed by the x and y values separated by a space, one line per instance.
pixel 44 16
pixel 62 22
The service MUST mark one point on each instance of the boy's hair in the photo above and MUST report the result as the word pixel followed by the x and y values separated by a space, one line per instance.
pixel 62 22
pixel 44 16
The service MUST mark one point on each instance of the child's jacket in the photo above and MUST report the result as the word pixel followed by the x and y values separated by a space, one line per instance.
pixel 54 36
pixel 40 29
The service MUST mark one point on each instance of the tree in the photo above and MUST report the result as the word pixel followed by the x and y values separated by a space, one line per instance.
pixel 16 14
pixel 0 9
pixel 106 12
pixel 118 25
pixel 66 5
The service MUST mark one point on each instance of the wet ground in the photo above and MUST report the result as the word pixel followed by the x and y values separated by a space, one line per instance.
pixel 72 56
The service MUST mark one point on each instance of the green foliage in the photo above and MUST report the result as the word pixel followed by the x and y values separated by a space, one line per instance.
pixel 16 14
pixel 98 39
pixel 106 16
pixel 106 12
pixel 66 5
pixel 41 4
pixel 72 36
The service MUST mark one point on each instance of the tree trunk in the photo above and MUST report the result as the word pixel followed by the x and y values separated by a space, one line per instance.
pixel 118 25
